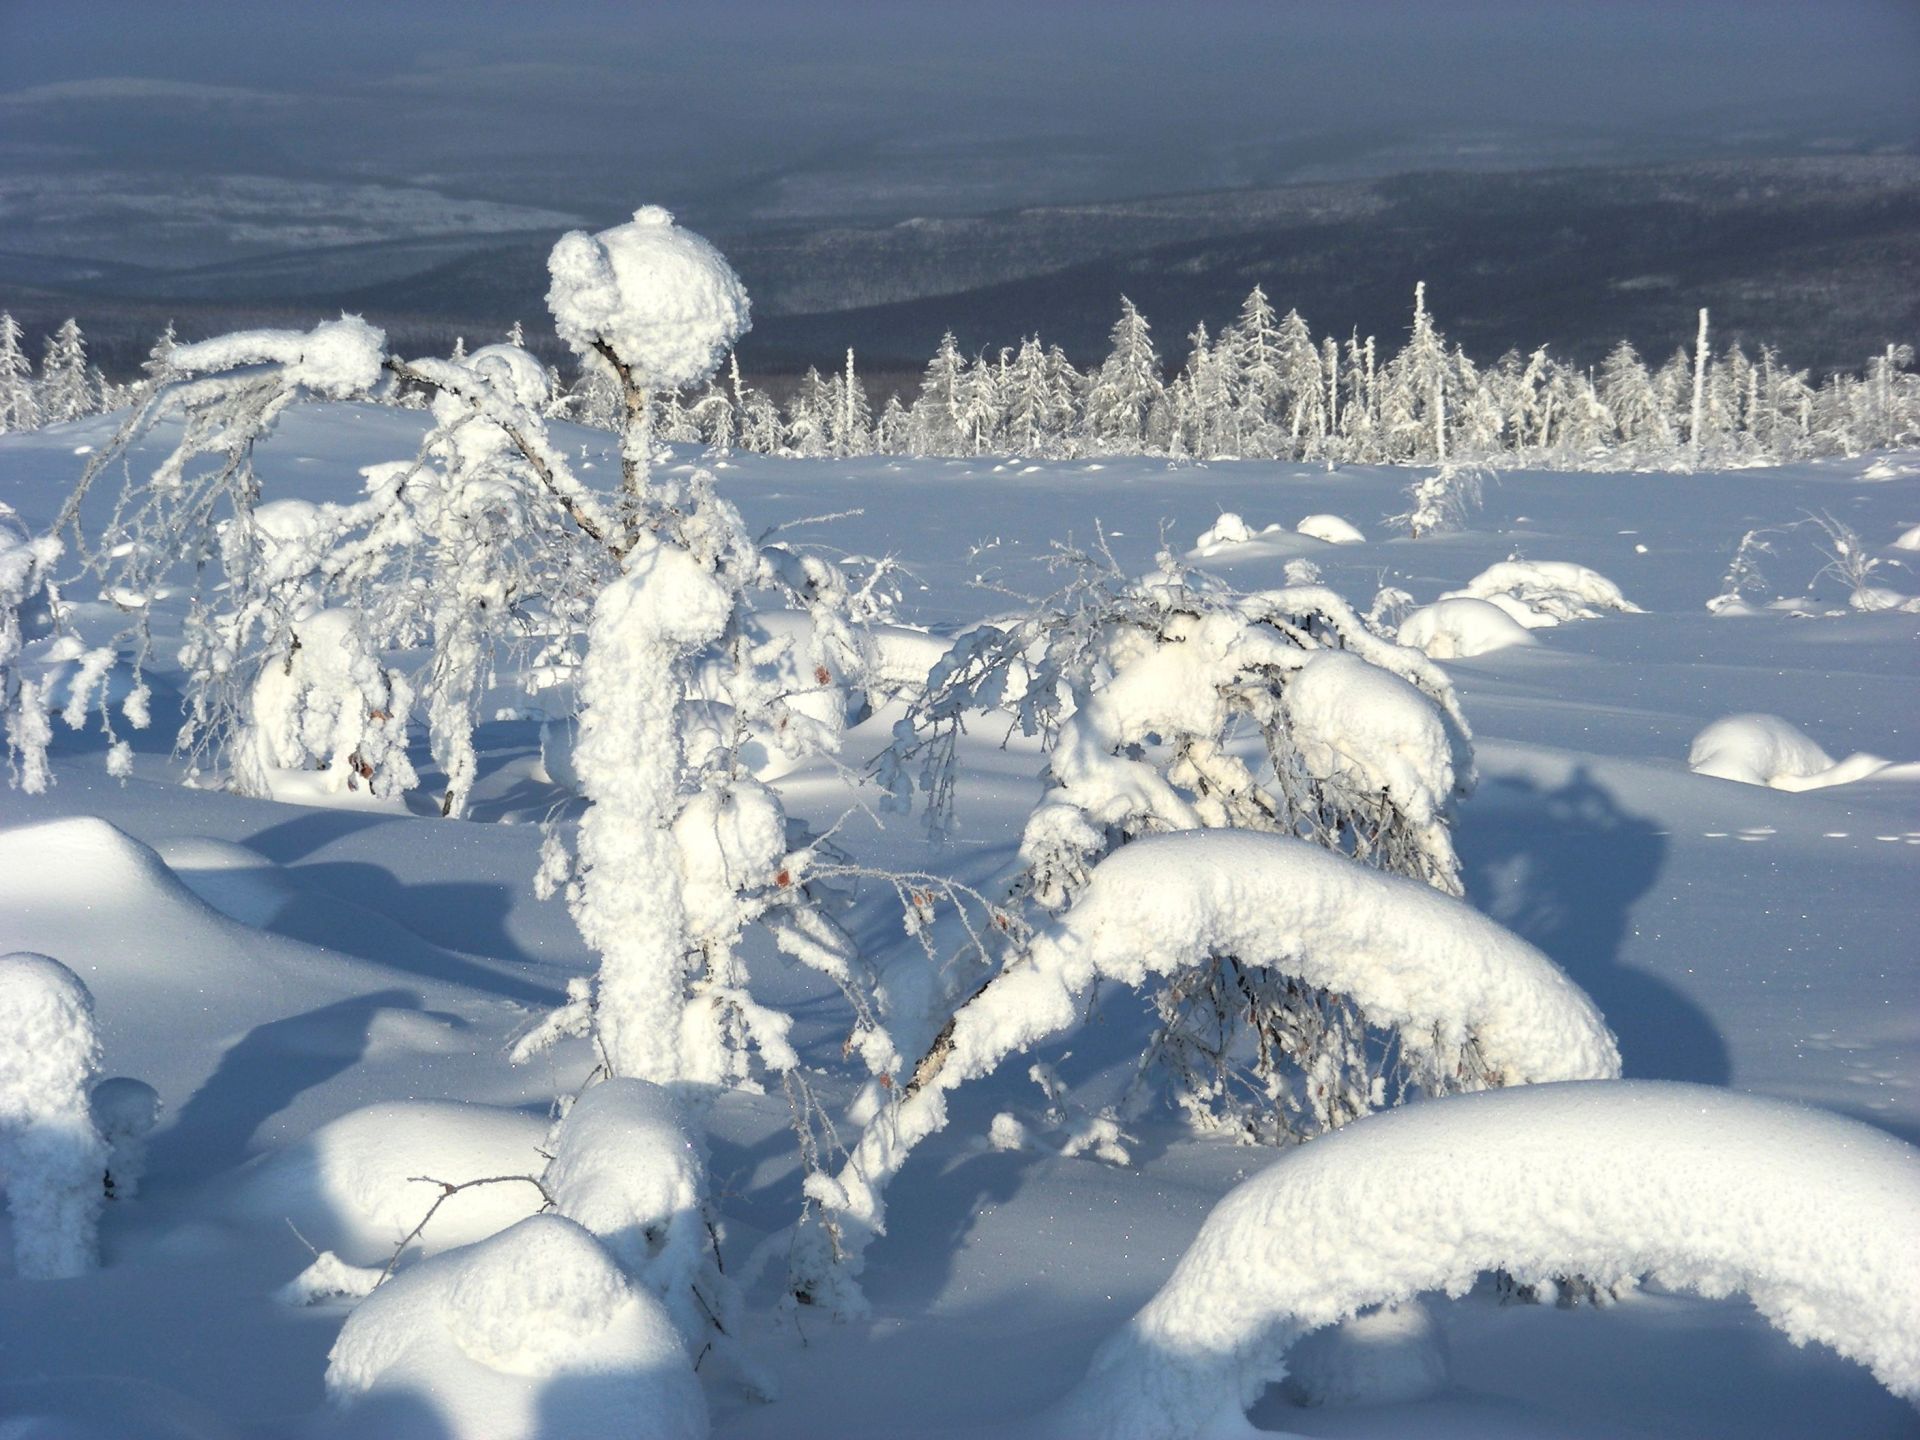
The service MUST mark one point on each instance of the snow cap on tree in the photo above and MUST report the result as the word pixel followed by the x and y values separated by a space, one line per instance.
pixel 661 298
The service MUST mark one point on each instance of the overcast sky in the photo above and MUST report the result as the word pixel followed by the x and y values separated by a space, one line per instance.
pixel 728 107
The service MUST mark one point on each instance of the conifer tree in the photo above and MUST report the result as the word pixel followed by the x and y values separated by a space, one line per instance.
pixel 66 387
pixel 19 409
pixel 1127 389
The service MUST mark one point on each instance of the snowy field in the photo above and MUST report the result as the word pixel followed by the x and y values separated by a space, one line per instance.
pixel 271 968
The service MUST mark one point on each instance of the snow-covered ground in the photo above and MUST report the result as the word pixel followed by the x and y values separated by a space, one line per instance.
pixel 270 968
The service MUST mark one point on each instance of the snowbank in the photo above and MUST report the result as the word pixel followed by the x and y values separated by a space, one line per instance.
pixel 51 1156
pixel 1330 528
pixel 1766 750
pixel 1539 593
pixel 1461 628
pixel 532 1333
pixel 666 302
pixel 351 1188
pixel 1810 1215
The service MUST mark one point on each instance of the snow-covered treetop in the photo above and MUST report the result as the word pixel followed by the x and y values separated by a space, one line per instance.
pixel 661 299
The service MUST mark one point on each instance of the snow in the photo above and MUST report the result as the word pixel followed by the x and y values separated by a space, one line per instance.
pixel 1332 529
pixel 534 1332
pixel 270 968
pixel 1388 1356
pixel 1809 1215
pixel 661 297
pixel 1766 750
pixel 1540 593
pixel 1462 628
pixel 1909 539
pixel 51 1156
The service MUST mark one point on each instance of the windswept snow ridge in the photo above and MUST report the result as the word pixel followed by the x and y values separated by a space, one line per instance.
pixel 1812 1216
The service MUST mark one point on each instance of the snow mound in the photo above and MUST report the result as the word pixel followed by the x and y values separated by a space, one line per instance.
pixel 1229 531
pixel 1408 956
pixel 1810 1215
pixel 1766 750
pixel 1539 593
pixel 1388 1356
pixel 351 1185
pixel 625 1168
pixel 51 1156
pixel 662 298
pixel 534 1332
pixel 1909 539
pixel 1461 628
pixel 1330 528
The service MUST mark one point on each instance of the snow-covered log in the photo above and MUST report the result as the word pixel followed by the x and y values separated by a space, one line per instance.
pixel 1470 1003
pixel 1812 1216
pixel 52 1159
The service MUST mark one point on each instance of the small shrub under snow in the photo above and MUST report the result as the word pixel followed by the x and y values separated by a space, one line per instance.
pixel 1461 628
pixel 1540 593
pixel 534 1332
pixel 1332 529
pixel 1766 750
pixel 1810 1215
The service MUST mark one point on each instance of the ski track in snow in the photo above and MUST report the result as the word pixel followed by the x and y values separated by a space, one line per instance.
pixel 271 968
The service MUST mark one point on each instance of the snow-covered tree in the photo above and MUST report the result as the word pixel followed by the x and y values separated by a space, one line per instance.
pixel 1124 394
pixel 66 385
pixel 936 413
pixel 19 409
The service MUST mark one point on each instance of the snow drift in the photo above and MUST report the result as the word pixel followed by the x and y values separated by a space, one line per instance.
pixel 1812 1216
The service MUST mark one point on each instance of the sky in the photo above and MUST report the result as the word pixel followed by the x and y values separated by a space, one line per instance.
pixel 738 110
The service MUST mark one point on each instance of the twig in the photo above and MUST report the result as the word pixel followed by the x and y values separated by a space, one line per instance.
pixel 447 1192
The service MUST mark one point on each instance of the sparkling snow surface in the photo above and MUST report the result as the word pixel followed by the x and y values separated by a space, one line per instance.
pixel 272 970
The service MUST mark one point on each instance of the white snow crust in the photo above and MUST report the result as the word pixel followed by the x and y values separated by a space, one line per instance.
pixel 1810 1215
pixel 532 1333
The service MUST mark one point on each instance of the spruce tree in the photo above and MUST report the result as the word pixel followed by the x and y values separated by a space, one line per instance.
pixel 19 409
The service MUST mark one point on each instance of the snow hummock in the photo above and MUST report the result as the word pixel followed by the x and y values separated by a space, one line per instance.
pixel 1539 593
pixel 1767 750
pixel 534 1332
pixel 51 1156
pixel 1461 628
pixel 662 298
pixel 1702 1189
pixel 125 1111
pixel 1908 539
pixel 1331 528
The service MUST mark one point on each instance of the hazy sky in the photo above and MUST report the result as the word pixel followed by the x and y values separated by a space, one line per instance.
pixel 735 107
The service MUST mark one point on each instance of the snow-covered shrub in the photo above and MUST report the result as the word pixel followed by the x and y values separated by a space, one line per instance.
pixel 125 1111
pixel 53 1161
pixel 1227 531
pixel 534 1332
pixel 1767 750
pixel 1461 628
pixel 1331 528
pixel 1810 1215
pixel 329 704
pixel 1539 593
pixel 34 665
pixel 1443 500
